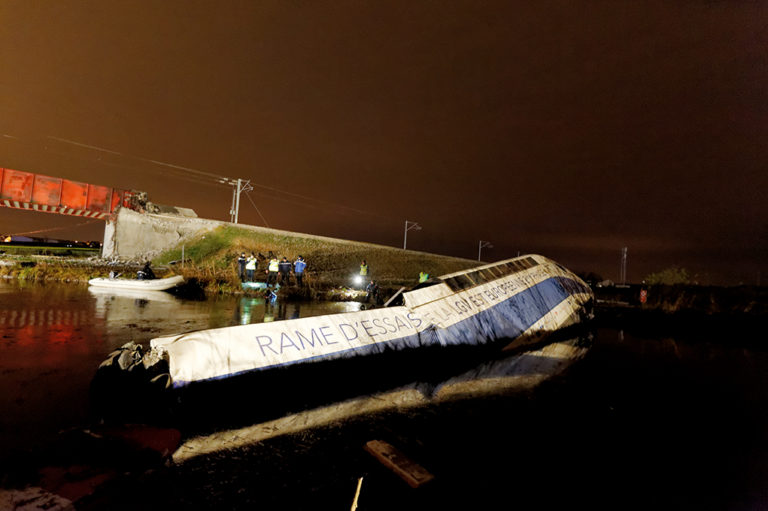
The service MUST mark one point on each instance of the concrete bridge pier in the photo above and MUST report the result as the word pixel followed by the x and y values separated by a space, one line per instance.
pixel 141 236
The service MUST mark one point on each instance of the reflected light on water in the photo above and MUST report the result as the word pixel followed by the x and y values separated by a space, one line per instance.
pixel 54 336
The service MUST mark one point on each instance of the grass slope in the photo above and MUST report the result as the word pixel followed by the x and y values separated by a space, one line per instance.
pixel 331 262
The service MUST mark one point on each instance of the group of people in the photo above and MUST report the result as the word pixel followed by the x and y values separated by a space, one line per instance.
pixel 372 291
pixel 278 272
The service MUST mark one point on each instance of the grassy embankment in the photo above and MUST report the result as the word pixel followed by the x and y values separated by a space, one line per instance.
pixel 211 261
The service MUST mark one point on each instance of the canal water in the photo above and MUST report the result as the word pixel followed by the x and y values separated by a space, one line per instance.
pixel 53 338
pixel 655 417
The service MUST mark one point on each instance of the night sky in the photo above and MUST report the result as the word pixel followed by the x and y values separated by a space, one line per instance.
pixel 569 129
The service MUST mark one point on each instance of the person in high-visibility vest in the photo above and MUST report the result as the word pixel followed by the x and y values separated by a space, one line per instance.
pixel 274 266
pixel 250 267
pixel 362 277
pixel 423 277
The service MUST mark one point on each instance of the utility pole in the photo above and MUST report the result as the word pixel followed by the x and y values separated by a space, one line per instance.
pixel 239 186
pixel 623 270
pixel 413 226
pixel 481 245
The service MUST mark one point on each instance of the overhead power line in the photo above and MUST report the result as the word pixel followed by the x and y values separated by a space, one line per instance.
pixel 210 175
pixel 175 172
pixel 204 177
pixel 87 146
pixel 321 201
pixel 256 208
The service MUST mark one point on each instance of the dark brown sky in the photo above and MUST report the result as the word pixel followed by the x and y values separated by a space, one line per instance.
pixel 566 128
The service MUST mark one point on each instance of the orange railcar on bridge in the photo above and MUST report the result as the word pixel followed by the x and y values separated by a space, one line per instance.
pixel 36 192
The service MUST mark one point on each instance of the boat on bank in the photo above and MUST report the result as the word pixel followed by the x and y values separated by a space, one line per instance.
pixel 438 327
pixel 136 284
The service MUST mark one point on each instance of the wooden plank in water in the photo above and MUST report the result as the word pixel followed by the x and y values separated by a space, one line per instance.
pixel 412 473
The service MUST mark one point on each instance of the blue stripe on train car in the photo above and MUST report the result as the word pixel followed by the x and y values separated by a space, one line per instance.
pixel 510 318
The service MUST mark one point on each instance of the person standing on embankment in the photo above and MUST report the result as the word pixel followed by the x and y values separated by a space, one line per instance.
pixel 272 270
pixel 241 262
pixel 298 269
pixel 372 293
pixel 363 275
pixel 250 267
pixel 285 271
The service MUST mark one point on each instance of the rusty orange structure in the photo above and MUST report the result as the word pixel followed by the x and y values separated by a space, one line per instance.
pixel 36 192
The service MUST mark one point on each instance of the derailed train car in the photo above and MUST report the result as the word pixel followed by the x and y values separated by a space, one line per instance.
pixel 435 331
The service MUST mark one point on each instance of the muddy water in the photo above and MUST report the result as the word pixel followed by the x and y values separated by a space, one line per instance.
pixel 53 337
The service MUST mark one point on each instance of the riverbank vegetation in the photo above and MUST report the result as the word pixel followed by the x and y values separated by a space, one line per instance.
pixel 686 298
pixel 208 263
pixel 62 251
pixel 668 277
pixel 42 268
